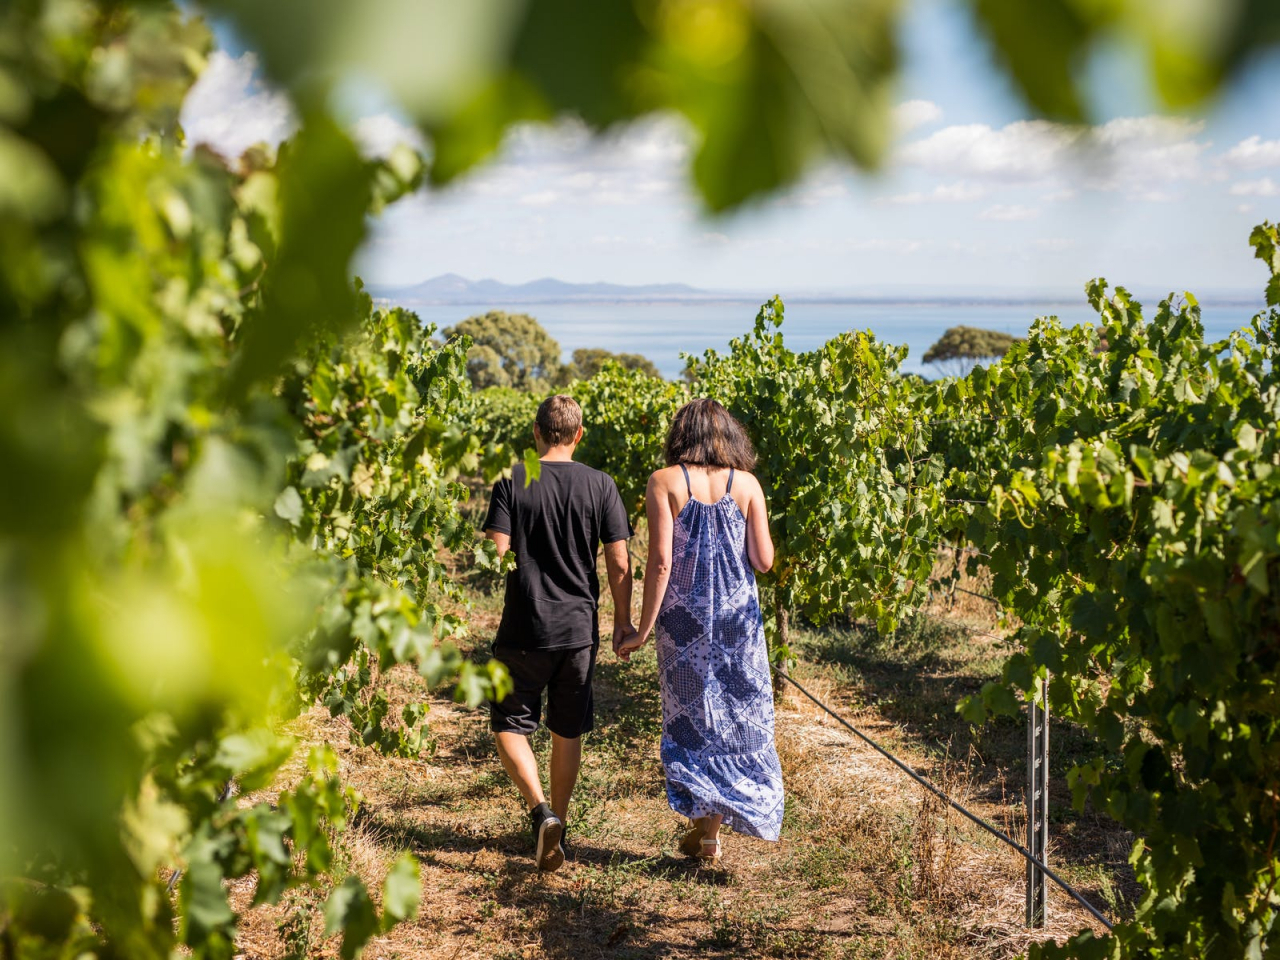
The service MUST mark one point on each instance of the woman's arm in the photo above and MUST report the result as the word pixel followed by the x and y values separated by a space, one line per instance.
pixel 657 570
pixel 759 542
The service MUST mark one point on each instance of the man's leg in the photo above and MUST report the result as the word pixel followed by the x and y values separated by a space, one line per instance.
pixel 566 758
pixel 522 767
pixel 570 714
pixel 516 717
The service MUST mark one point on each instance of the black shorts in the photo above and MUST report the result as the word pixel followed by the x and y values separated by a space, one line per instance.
pixel 566 677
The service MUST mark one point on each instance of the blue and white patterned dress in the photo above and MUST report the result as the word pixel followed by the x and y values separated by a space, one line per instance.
pixel 713 666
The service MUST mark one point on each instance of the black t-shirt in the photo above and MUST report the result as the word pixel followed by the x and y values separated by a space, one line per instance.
pixel 556 524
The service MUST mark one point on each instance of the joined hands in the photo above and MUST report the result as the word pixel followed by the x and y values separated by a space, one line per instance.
pixel 626 640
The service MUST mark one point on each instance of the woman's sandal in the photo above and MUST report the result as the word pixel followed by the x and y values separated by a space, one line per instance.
pixel 699 847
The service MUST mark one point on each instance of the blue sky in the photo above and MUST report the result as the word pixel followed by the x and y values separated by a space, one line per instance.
pixel 973 198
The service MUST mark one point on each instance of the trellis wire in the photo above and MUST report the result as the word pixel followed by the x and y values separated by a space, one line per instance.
pixel 991 829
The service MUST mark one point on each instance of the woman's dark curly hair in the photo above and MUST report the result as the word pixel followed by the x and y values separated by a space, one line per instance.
pixel 705 434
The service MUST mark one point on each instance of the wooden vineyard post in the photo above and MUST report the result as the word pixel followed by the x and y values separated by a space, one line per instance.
pixel 1037 804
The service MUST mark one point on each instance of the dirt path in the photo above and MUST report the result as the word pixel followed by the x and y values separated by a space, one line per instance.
pixel 867 867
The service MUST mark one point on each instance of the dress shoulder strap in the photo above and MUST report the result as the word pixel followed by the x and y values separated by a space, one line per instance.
pixel 687 485
pixel 729 485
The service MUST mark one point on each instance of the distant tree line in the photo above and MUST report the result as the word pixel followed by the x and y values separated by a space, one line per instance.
pixel 514 350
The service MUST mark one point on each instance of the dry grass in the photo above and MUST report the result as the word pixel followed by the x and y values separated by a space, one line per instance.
pixel 870 865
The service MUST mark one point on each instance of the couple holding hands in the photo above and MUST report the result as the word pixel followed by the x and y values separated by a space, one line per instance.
pixel 708 533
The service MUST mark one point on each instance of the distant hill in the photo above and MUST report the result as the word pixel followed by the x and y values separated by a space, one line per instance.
pixel 451 288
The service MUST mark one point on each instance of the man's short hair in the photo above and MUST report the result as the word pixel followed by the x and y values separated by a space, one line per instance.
pixel 558 419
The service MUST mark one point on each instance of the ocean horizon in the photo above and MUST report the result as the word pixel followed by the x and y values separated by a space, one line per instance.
pixel 663 329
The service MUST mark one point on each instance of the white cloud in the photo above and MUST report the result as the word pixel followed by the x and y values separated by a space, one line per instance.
pixel 879 245
pixel 771 245
pixel 230 109
pixel 664 140
pixel 1053 244
pixel 942 193
pixel 1009 212
pixel 621 242
pixel 1029 149
pixel 1129 153
pixel 568 147
pixel 642 163
pixel 913 114
pixel 381 133
pixel 541 198
pixel 1253 154
pixel 821 186
pixel 1266 187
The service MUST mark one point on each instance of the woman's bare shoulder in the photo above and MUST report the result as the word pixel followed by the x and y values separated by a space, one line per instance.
pixel 662 478
pixel 749 479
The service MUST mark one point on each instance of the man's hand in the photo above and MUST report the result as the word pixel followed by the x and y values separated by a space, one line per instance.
pixel 621 629
pixel 628 645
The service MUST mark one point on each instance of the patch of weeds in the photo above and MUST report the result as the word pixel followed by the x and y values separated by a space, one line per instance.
pixel 877 906
pixel 802 817
pixel 730 926
pixel 430 744
pixel 793 943
pixel 1102 882
pixel 823 865
pixel 495 780
pixel 919 639
pixel 296 932
pixel 935 840
pixel 492 881
pixel 590 803
pixel 725 930
pixel 863 948
pixel 606 888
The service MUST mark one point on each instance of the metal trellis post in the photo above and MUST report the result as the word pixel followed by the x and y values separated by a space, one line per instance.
pixel 1037 804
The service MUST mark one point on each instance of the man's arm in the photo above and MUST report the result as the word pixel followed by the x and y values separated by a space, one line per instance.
pixel 497 523
pixel 500 540
pixel 617 563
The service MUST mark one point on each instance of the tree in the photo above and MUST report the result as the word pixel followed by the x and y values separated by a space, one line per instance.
pixel 509 350
pixel 588 361
pixel 960 349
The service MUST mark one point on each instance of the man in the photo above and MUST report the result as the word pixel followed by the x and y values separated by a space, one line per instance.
pixel 549 633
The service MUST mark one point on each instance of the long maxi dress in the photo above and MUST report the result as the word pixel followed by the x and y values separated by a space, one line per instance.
pixel 717 695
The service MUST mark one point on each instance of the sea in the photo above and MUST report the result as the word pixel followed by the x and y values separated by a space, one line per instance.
pixel 663 330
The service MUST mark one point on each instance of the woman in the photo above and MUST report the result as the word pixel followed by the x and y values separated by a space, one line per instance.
pixel 707 529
